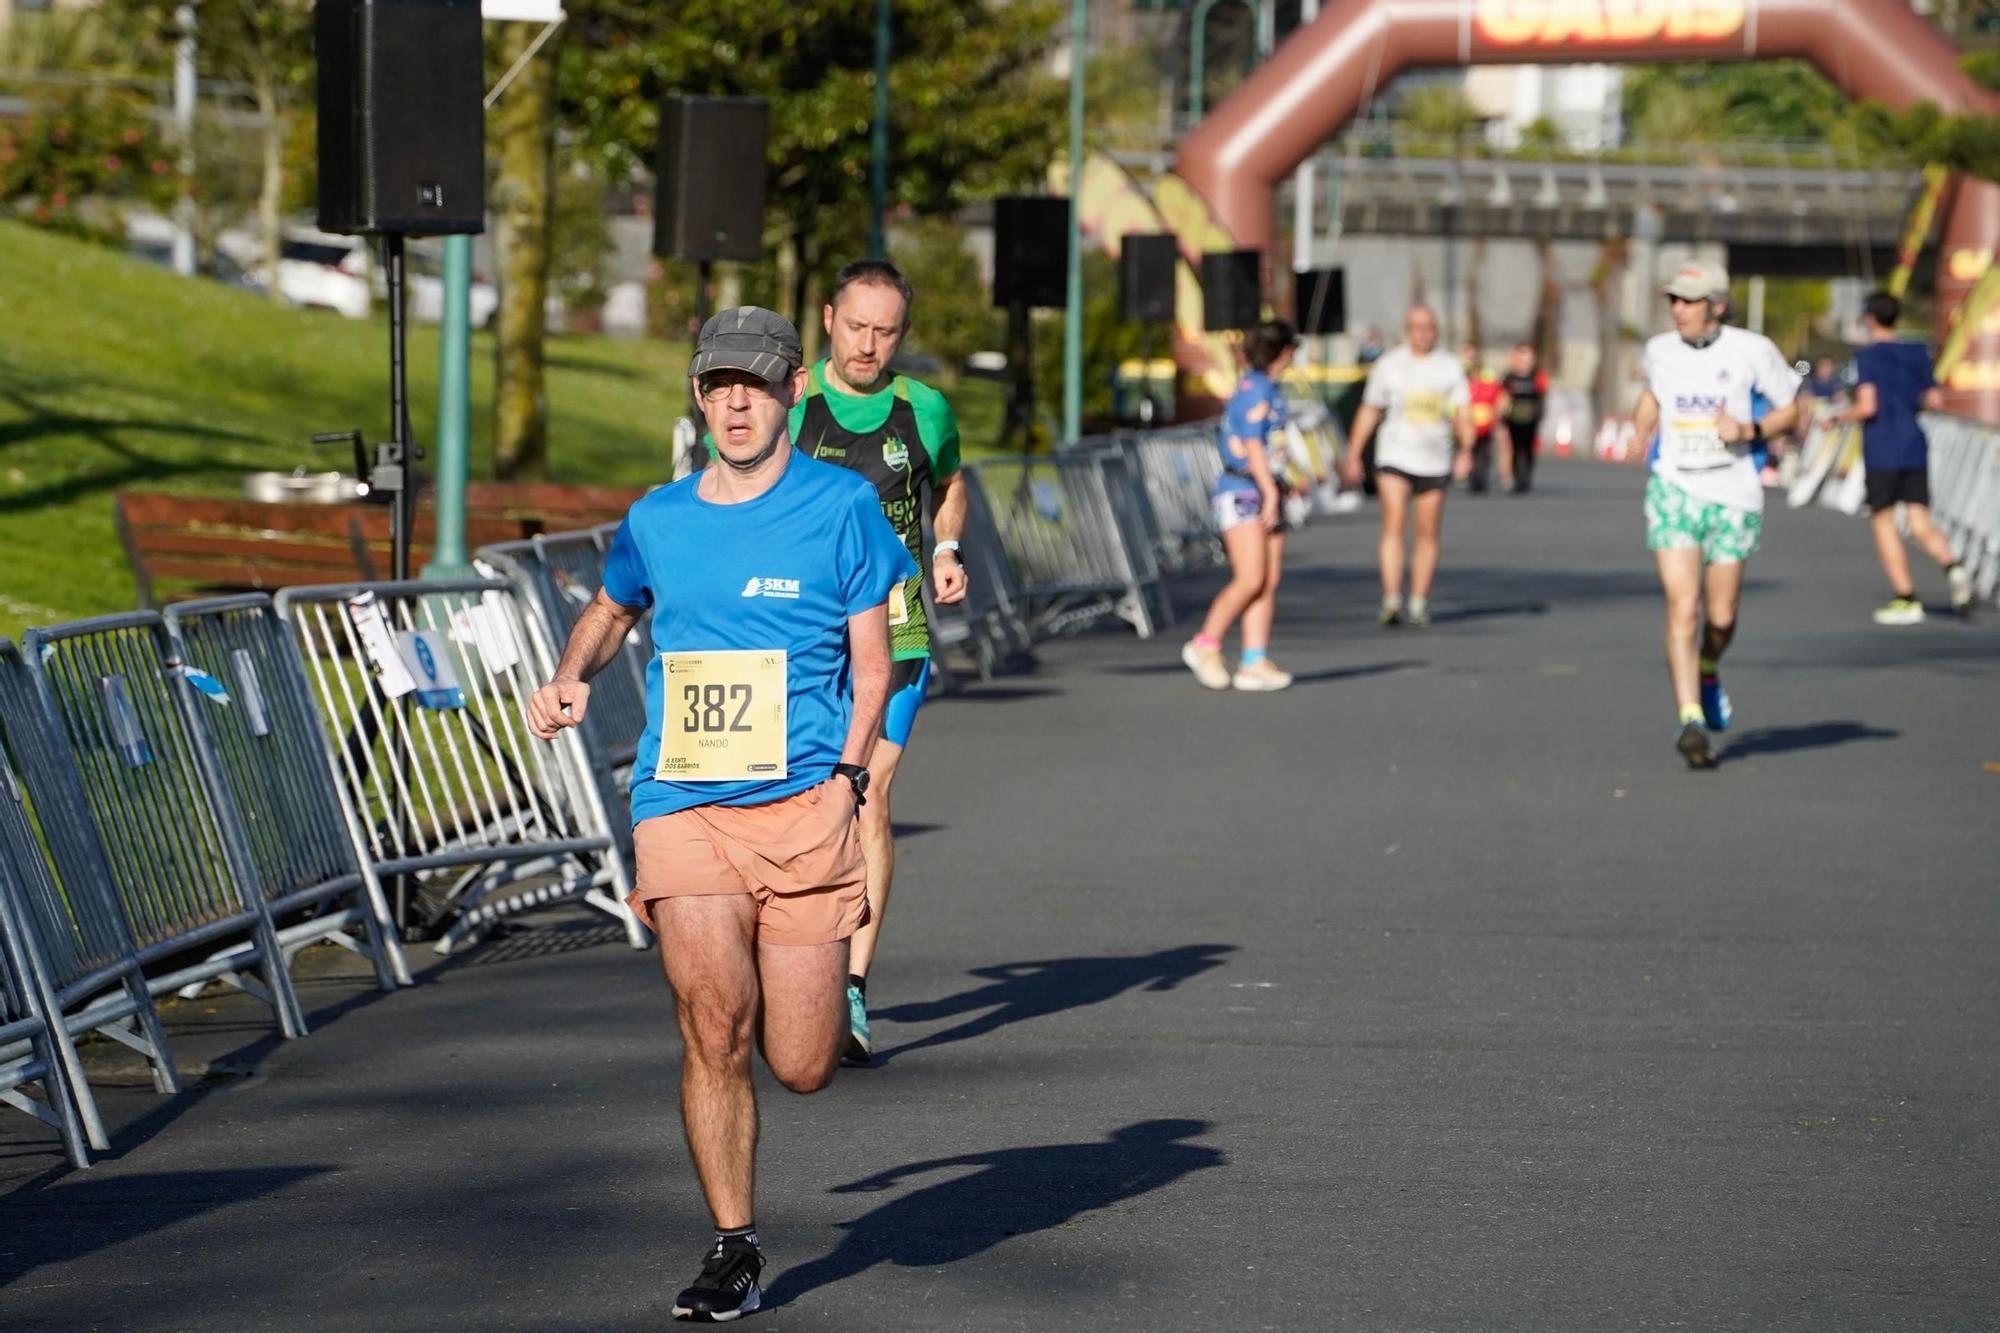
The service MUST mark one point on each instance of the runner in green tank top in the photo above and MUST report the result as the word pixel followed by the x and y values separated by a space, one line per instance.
pixel 901 435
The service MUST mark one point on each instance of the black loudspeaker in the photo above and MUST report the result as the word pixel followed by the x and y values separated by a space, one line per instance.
pixel 1319 301
pixel 711 178
pixel 1230 291
pixel 1030 251
pixel 402 134
pixel 1146 276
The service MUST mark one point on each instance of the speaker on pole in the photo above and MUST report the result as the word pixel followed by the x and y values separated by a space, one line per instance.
pixel 402 144
pixel 1319 300
pixel 1030 250
pixel 1146 276
pixel 711 178
pixel 1231 293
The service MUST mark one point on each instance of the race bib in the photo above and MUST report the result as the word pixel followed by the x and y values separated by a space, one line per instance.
pixel 724 716
pixel 1423 409
pixel 899 606
pixel 1696 446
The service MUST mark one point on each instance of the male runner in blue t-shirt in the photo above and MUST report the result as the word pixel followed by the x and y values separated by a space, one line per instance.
pixel 1893 382
pixel 768 575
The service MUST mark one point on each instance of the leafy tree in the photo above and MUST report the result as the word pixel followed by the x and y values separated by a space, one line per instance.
pixel 971 112
pixel 266 45
pixel 954 315
pixel 1439 109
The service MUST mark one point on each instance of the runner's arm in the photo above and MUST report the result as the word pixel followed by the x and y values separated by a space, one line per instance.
pixel 599 633
pixel 868 650
pixel 1645 418
pixel 1865 406
pixel 948 522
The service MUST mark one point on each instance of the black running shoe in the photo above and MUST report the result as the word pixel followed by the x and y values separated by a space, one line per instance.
pixel 1694 747
pixel 727 1287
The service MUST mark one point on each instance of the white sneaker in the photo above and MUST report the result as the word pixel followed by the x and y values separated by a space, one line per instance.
pixel 1207 665
pixel 1262 676
pixel 1960 579
pixel 1900 611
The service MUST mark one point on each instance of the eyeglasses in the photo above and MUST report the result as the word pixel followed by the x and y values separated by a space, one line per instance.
pixel 714 388
pixel 1686 300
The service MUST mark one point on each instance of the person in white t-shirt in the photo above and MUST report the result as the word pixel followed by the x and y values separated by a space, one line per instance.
pixel 1419 398
pixel 1704 500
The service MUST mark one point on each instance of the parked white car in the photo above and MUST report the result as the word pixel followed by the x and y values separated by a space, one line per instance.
pixel 322 272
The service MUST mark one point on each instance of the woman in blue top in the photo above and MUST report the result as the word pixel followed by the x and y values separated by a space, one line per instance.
pixel 1250 519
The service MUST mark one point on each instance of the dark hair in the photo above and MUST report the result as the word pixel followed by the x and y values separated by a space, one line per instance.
pixel 873 273
pixel 1267 342
pixel 1883 308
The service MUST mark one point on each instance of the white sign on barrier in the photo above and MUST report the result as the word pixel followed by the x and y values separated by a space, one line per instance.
pixel 428 658
pixel 391 674
pixel 524 11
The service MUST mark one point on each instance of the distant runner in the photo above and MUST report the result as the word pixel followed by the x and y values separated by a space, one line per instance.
pixel 1893 382
pixel 1418 396
pixel 1485 401
pixel 1527 396
pixel 1704 501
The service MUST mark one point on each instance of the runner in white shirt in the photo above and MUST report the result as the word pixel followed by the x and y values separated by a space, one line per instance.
pixel 1419 397
pixel 1704 501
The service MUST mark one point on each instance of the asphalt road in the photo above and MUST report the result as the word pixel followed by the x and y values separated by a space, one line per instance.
pixel 1433 993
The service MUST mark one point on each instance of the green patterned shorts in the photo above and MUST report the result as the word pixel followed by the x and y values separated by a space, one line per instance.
pixel 1677 521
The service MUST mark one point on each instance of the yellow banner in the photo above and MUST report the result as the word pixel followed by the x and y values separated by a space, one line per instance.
pixel 1544 23
pixel 1922 214
pixel 1981 306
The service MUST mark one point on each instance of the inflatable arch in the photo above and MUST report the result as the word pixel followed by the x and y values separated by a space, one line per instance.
pixel 1228 168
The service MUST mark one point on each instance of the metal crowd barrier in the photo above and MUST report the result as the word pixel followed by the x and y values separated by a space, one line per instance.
pixel 1965 494
pixel 1074 529
pixel 86 943
pixel 138 775
pixel 992 622
pixel 308 857
pixel 561 572
pixel 465 815
pixel 35 1044
pixel 1179 466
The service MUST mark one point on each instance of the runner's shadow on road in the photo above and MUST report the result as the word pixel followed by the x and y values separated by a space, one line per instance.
pixel 1812 736
pixel 1016 992
pixel 79 1216
pixel 1494 611
pixel 1012 1192
pixel 1298 678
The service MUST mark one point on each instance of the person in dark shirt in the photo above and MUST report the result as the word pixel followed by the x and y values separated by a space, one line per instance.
pixel 1824 382
pixel 1893 382
pixel 1526 393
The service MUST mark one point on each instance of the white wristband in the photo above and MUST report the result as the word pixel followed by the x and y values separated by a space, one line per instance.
pixel 942 547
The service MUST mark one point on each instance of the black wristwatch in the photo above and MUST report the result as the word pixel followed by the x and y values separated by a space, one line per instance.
pixel 1756 430
pixel 858 776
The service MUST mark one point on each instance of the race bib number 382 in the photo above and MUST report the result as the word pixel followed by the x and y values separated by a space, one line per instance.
pixel 723 718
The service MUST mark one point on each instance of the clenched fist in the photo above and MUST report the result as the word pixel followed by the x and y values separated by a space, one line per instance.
pixel 558 704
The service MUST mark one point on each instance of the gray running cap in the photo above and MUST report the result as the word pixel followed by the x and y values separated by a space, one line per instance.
pixel 750 338
pixel 1699 282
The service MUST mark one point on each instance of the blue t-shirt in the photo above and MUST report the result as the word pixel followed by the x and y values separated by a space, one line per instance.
pixel 1891 440
pixel 1256 411
pixel 784 570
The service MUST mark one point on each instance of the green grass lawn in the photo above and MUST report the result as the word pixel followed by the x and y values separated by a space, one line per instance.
pixel 114 372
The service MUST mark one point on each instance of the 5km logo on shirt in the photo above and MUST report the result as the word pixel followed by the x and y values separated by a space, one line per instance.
pixel 785 588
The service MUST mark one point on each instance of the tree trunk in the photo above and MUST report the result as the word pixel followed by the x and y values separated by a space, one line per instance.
pixel 810 301
pixel 788 277
pixel 523 126
pixel 271 182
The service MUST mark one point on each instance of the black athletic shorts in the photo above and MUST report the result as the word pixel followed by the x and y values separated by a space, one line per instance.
pixel 1910 486
pixel 1418 485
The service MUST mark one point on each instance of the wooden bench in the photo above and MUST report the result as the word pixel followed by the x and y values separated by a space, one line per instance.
pixel 184 546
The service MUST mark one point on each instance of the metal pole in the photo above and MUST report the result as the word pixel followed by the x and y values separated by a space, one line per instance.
pixel 1304 184
pixel 1755 322
pixel 878 175
pixel 1079 37
pixel 184 106
pixel 448 556
pixel 1197 58
pixel 404 517
pixel 704 273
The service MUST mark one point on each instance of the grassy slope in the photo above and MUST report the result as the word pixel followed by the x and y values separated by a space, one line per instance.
pixel 117 373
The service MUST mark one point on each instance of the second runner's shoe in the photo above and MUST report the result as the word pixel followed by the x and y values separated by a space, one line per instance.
pixel 727 1287
pixel 860 1050
pixel 1715 709
pixel 1694 747
pixel 1207 665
